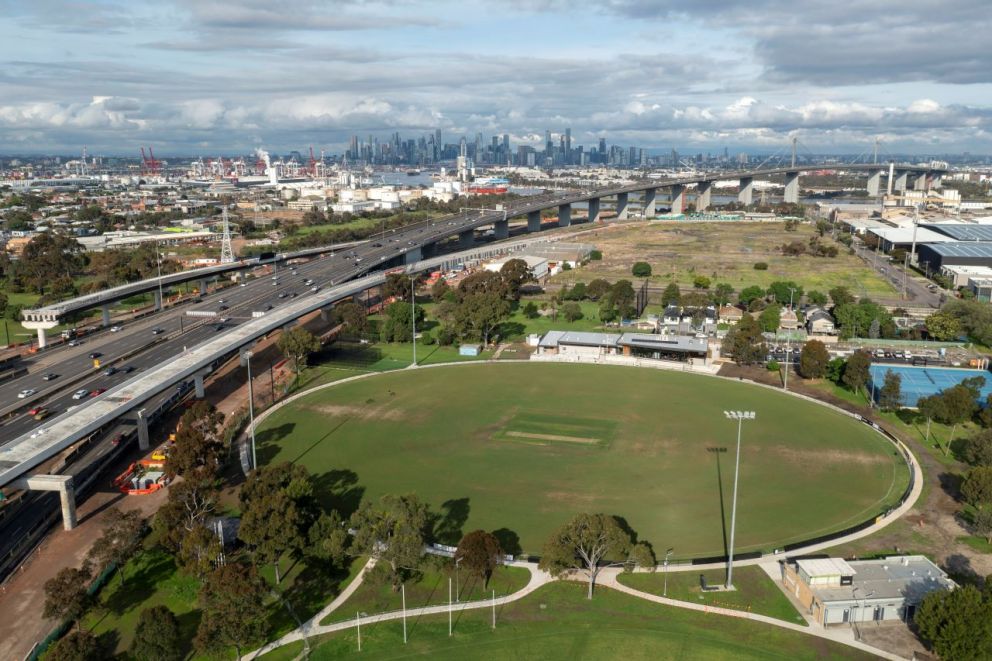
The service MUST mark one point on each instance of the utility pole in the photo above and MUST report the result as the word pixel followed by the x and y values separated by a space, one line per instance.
pixel 740 417
pixel 251 411
pixel 413 316
pixel 795 141
pixel 788 343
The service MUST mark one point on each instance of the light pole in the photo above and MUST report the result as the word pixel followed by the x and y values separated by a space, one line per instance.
pixel 788 344
pixel 413 316
pixel 458 596
pixel 158 264
pixel 668 554
pixel 740 417
pixel 251 409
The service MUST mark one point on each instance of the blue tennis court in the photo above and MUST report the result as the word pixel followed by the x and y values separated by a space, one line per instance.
pixel 920 382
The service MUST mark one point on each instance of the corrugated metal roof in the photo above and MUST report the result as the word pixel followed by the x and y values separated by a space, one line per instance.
pixel 962 249
pixel 962 231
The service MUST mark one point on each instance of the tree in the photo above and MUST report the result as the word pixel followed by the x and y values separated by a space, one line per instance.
pixel 816 297
pixel 48 261
pixel 813 360
pixel 841 296
pixel 277 509
pixel 297 344
pixel 329 538
pixel 480 553
pixel 515 273
pixel 190 502
pixel 530 310
pixel 958 406
pixel 77 646
pixel 890 395
pixel 744 342
pixel 943 326
pixel 397 285
pixel 977 487
pixel 770 318
pixel 785 291
pixel 977 449
pixel 398 326
pixel 749 294
pixel 671 295
pixel 439 290
pixel 571 311
pixel 576 293
pixel 641 270
pixel 975 318
pixel 393 531
pixel 982 522
pixel 619 301
pixel 199 446
pixel 856 371
pixel 835 369
pixel 353 316
pixel 761 266
pixel 598 288
pixel 120 541
pixel 701 282
pixel 478 313
pixel 233 603
pixel 585 543
pixel 156 636
pixel 198 549
pixel 66 597
pixel 956 623
pixel 722 293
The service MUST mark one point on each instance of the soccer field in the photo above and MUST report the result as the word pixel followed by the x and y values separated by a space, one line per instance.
pixel 522 447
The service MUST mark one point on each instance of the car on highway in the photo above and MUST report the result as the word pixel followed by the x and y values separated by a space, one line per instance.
pixel 42 414
pixel 268 307
pixel 157 331
pixel 50 376
pixel 282 294
pixel 222 300
pixel 79 394
pixel 127 369
pixel 115 329
pixel 27 392
pixel 292 294
pixel 97 392
pixel 74 343
pixel 221 307
pixel 35 410
pixel 95 355
pixel 315 289
pixel 110 371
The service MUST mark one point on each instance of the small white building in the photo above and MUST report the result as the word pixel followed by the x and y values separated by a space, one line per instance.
pixel 538 265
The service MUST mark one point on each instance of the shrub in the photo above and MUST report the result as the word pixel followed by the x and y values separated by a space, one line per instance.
pixel 773 366
pixel 701 282
pixel 530 310
pixel 596 255
pixel 641 270
pixel 446 337
pixel 761 266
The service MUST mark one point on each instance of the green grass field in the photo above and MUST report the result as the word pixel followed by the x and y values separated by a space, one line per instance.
pixel 755 592
pixel 557 622
pixel 661 454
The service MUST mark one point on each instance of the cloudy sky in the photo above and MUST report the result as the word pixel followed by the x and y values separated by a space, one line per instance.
pixel 209 76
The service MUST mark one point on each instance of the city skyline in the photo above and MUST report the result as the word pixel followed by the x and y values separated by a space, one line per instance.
pixel 204 77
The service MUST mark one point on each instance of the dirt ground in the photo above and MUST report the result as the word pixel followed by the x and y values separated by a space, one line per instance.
pixel 726 252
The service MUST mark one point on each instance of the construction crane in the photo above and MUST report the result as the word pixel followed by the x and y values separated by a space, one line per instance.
pixel 312 164
pixel 149 164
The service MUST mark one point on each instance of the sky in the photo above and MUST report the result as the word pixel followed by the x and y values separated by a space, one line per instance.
pixel 226 76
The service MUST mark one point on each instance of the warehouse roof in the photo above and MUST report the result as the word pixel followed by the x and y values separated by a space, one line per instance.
pixel 962 231
pixel 962 249
pixel 897 235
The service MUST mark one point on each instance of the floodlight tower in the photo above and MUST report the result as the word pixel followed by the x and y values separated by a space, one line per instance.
pixel 226 251
pixel 740 417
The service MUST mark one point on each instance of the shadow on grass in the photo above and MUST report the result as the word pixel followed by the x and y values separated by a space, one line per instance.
pixel 147 578
pixel 312 589
pixel 448 523
pixel 509 541
pixel 719 482
pixel 339 490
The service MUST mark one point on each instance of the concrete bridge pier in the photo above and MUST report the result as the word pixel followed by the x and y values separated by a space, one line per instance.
pixel 678 198
pixel 791 194
pixel 143 440
pixel 40 323
pixel 874 183
pixel 704 192
pixel 466 239
pixel 622 199
pixel 158 299
pixel 902 178
pixel 502 229
pixel 413 255
pixel 649 198
pixel 198 383
pixel 534 221
pixel 203 287
pixel 106 314
pixel 920 182
pixel 564 215
pixel 746 194
pixel 594 210
pixel 61 483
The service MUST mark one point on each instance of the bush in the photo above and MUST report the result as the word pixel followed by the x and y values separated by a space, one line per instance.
pixel 571 312
pixel 596 255
pixel 565 266
pixel 701 282
pixel 446 337
pixel 641 270
pixel 530 310
pixel 773 366
pixel 761 266
pixel 426 338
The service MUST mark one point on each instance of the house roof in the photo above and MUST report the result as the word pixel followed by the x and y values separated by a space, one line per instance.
pixel 730 311
pixel 821 567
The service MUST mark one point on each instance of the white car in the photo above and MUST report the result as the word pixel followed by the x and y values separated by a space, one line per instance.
pixel 27 392
pixel 79 394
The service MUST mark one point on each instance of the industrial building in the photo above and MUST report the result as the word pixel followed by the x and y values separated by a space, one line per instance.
pixel 638 345
pixel 962 231
pixel 836 591
pixel 934 256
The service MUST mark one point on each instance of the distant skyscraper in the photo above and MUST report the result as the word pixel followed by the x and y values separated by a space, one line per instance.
pixel 568 145
pixel 463 148
pixel 602 149
pixel 549 146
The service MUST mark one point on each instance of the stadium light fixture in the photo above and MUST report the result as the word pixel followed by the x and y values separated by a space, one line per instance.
pixel 740 417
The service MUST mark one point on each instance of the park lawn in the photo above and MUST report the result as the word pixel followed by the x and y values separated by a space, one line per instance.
pixel 444 435
pixel 357 223
pixel 724 252
pixel 385 356
pixel 428 588
pixel 755 593
pixel 976 542
pixel 558 622
pixel 517 327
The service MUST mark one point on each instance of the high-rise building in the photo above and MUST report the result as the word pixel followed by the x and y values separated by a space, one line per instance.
pixel 602 150
pixel 568 146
